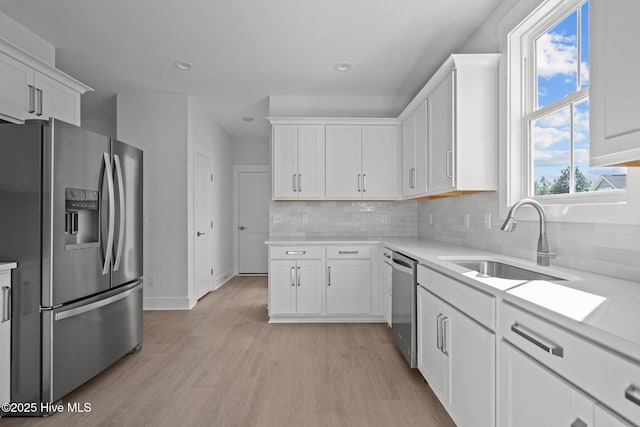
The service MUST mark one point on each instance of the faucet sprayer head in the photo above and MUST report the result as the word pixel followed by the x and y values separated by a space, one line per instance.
pixel 509 224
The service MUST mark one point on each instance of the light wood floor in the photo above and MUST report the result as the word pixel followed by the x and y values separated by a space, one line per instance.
pixel 221 364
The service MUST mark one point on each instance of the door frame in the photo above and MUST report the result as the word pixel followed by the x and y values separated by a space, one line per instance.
pixel 237 169
pixel 211 236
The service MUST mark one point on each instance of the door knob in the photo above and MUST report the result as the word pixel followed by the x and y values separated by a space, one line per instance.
pixel 242 227
pixel 200 234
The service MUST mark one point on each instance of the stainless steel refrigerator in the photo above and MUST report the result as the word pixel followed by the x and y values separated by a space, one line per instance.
pixel 71 216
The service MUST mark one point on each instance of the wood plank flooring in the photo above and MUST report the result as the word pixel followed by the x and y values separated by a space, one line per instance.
pixel 222 364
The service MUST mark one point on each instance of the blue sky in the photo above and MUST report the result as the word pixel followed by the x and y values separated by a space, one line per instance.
pixel 557 68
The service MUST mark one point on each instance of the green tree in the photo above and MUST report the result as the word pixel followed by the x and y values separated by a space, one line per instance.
pixel 561 184
pixel 542 187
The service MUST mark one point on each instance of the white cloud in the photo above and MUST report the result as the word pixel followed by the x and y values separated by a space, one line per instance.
pixel 556 55
pixel 552 158
pixel 545 137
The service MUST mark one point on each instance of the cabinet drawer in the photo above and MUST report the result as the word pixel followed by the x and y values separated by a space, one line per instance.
pixel 296 252
pixel 602 374
pixel 349 252
pixel 474 303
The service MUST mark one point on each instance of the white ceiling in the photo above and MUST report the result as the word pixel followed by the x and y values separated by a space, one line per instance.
pixel 245 50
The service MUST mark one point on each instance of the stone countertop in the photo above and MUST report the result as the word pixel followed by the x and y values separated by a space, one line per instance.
pixel 611 322
pixel 4 266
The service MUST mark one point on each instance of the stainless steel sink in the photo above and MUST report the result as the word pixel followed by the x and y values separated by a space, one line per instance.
pixel 502 270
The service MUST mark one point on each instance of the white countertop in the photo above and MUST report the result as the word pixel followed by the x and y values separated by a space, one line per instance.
pixel 611 318
pixel 7 266
pixel 323 240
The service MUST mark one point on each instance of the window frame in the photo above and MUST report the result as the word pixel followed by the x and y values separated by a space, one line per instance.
pixel 517 31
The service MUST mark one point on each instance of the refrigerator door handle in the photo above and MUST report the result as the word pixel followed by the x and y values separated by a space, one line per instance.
pixel 116 265
pixel 112 213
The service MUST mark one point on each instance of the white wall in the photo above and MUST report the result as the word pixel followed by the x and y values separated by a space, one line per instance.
pixel 157 123
pixel 251 152
pixel 24 38
pixel 99 113
pixel 209 138
pixel 336 106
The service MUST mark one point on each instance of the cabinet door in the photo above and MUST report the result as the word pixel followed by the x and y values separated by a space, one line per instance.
pixel 309 287
pixel 310 161
pixel 282 287
pixel 15 78
pixel 349 287
pixel 409 155
pixel 471 358
pixel 604 418
pixel 285 154
pixel 441 136
pixel 380 162
pixel 431 360
pixel 614 120
pixel 532 396
pixel 5 338
pixel 344 161
pixel 58 100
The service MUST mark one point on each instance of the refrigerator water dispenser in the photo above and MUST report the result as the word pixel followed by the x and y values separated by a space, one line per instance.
pixel 81 219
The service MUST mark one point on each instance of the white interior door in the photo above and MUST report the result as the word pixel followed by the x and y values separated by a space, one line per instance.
pixel 254 194
pixel 203 226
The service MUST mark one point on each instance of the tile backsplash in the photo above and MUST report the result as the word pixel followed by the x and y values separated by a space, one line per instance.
pixel 343 218
pixel 612 250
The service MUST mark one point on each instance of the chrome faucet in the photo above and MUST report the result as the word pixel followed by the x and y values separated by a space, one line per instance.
pixel 543 253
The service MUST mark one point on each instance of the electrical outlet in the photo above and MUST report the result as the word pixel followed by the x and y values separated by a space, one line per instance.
pixel 487 220
pixel 385 219
pixel 277 219
pixel 146 218
pixel 467 218
pixel 151 280
pixel 305 219
pixel 430 219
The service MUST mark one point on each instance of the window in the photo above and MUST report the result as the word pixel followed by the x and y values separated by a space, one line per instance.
pixel 544 86
pixel 556 116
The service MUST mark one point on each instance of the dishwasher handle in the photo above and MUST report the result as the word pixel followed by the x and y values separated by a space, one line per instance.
pixel 402 266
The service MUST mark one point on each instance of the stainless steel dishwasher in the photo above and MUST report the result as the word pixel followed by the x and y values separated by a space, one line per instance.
pixel 403 306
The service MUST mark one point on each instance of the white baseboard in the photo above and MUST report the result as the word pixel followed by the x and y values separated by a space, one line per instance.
pixel 326 319
pixel 220 280
pixel 161 303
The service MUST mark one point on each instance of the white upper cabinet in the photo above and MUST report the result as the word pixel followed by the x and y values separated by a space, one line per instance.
pixel 298 161
pixel 614 91
pixel 362 162
pixel 414 152
pixel 30 89
pixel 460 133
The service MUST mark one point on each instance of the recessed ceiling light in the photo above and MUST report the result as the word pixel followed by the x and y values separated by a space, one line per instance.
pixel 248 119
pixel 343 66
pixel 183 65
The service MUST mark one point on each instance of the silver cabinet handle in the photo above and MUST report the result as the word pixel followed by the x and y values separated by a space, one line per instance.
pixel 348 253
pixel 412 178
pixel 298 275
pixel 296 252
pixel 386 255
pixel 364 182
pixel 293 182
pixel 328 276
pixel 6 304
pixel 445 344
pixel 359 186
pixel 242 228
pixel 538 341
pixel 32 100
pixel 632 394
pixel 199 233
pixel 123 218
pixel 112 213
pixel 448 159
pixel 579 423
pixel 299 182
pixel 39 102
pixel 439 331
pixel 293 276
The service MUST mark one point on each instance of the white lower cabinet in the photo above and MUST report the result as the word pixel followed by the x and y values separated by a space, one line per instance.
pixel 348 286
pixel 532 396
pixel 295 287
pixel 457 358
pixel 5 336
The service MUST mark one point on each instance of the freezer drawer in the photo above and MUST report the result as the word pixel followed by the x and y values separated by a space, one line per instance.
pixel 87 338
